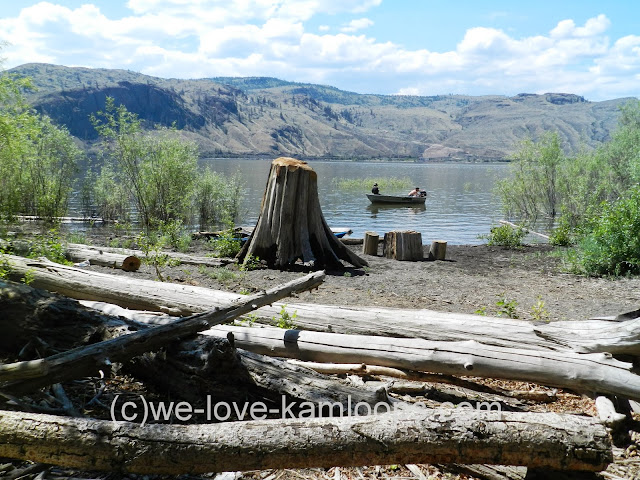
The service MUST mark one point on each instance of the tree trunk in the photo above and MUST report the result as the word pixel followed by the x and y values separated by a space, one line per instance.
pixel 128 263
pixel 414 435
pixel 580 372
pixel 370 244
pixel 291 226
pixel 588 336
pixel 401 245
pixel 438 250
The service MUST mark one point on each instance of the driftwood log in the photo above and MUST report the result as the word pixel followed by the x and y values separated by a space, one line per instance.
pixel 587 336
pixel 291 226
pixel 78 250
pixel 85 361
pixel 562 442
pixel 581 372
pixel 194 369
pixel 96 256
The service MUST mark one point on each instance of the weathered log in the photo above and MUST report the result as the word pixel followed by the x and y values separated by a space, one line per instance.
pixel 84 361
pixel 201 367
pixel 128 263
pixel 403 245
pixel 607 412
pixel 291 226
pixel 183 258
pixel 562 442
pixel 370 244
pixel 580 372
pixel 589 336
pixel 438 250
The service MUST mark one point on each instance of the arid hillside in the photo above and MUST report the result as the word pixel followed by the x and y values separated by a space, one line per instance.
pixel 267 116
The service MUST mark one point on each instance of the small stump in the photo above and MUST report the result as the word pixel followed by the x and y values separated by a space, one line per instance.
pixel 438 250
pixel 370 244
pixel 403 245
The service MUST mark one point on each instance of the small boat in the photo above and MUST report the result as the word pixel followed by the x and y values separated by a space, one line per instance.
pixel 400 199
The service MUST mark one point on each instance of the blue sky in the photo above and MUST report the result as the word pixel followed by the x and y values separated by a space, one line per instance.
pixel 427 47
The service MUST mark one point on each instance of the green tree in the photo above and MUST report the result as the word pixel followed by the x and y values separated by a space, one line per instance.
pixel 532 191
pixel 156 169
pixel 38 160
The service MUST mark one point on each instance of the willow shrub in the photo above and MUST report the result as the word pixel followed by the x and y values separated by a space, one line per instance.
pixel 610 244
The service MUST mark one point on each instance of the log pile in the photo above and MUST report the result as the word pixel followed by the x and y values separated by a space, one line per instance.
pixel 172 339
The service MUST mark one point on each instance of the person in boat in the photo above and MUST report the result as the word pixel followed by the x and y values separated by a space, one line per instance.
pixel 415 192
pixel 375 190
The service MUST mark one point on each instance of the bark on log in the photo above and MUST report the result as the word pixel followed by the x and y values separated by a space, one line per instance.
pixel 128 263
pixel 370 244
pixel 562 442
pixel 291 226
pixel 580 372
pixel 199 368
pixel 85 361
pixel 403 245
pixel 183 258
pixel 438 250
pixel 588 336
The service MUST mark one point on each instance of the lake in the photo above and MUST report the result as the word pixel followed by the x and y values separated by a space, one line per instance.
pixel 460 204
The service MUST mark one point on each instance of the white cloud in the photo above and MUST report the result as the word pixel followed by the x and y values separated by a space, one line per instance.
pixel 202 38
pixel 357 24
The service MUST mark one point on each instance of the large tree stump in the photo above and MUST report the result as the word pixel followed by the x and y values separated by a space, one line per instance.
pixel 403 245
pixel 291 226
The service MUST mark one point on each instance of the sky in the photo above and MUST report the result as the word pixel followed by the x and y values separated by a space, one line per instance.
pixel 410 47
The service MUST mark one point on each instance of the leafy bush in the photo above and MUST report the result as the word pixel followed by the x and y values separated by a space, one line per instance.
pixel 611 244
pixel 506 236
pixel 226 244
pixel 50 246
pixel 217 199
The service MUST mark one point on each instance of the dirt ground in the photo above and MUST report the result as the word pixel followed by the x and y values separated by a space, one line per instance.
pixel 530 282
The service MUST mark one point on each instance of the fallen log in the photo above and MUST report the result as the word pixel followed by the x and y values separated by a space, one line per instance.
pixel 579 372
pixel 198 368
pixel 582 336
pixel 549 440
pixel 183 258
pixel 85 361
pixel 128 263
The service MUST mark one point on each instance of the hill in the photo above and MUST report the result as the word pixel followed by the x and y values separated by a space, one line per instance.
pixel 269 116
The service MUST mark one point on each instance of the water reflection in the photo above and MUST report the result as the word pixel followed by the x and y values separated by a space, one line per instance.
pixel 376 208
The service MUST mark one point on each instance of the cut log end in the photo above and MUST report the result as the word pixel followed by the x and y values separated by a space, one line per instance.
pixel 131 264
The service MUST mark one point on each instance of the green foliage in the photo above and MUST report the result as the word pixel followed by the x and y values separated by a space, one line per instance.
pixel 217 199
pixel 156 170
pixel 539 312
pixel 174 233
pixel 386 185
pixel 532 191
pixel 506 236
pixel 5 267
pixel 611 242
pixel 29 277
pixel 227 244
pixel 481 311
pixel 221 274
pixel 507 308
pixel 38 160
pixel 49 245
pixel 286 320
pixel 563 235
pixel 250 263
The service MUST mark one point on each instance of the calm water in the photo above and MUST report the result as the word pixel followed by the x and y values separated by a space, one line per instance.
pixel 460 203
